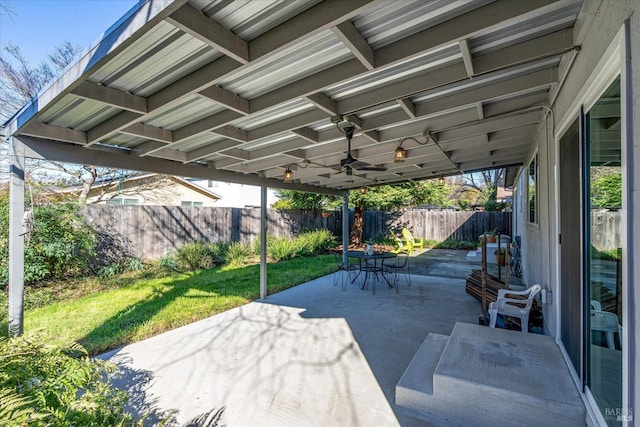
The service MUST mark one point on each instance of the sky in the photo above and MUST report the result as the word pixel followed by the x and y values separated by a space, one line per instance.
pixel 38 26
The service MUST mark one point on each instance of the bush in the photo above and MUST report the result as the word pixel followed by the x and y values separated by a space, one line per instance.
pixel 318 240
pixel 131 264
pixel 169 263
pixel 281 248
pixel 54 386
pixel 218 251
pixel 453 244
pixel 237 254
pixel 194 256
pixel 61 243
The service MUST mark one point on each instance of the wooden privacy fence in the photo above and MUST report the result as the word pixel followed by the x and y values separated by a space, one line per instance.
pixel 154 231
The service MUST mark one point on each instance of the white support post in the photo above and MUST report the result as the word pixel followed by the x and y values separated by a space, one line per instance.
pixel 263 242
pixel 16 238
pixel 345 228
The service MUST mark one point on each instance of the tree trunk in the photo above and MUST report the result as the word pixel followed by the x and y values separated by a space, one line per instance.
pixel 356 232
pixel 87 184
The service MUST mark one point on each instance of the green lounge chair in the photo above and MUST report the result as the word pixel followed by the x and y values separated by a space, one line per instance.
pixel 401 246
pixel 412 242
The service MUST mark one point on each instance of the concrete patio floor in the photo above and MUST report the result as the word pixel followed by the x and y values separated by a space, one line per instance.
pixel 312 355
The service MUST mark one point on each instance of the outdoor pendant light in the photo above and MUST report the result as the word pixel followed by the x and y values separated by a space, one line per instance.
pixel 400 155
pixel 288 175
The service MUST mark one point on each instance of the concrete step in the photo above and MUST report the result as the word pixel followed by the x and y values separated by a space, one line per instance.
pixel 416 384
pixel 488 377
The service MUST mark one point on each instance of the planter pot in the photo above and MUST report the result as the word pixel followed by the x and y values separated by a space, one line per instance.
pixel 490 239
pixel 325 214
pixel 501 260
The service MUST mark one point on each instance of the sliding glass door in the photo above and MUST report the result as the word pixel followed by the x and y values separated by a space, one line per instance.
pixel 603 228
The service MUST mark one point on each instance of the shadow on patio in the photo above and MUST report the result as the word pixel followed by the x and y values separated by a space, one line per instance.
pixel 311 355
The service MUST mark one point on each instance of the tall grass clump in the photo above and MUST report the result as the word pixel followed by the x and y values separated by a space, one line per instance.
pixel 218 252
pixel 282 248
pixel 194 256
pixel 318 240
pixel 237 254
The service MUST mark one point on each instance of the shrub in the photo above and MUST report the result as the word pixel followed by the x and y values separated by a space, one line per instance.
pixel 194 256
pixel 131 264
pixel 218 251
pixel 237 254
pixel 281 248
pixel 317 240
pixel 54 386
pixel 169 263
pixel 456 244
pixel 60 245
pixel 110 271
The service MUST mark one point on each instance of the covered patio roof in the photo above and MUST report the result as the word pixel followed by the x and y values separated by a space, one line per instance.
pixel 240 91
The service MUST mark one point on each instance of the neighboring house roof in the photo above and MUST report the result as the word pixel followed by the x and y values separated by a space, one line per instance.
pixel 138 180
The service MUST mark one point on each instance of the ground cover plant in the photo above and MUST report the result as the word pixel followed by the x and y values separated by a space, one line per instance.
pixel 48 385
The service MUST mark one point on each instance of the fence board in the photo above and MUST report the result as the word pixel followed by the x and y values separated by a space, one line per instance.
pixel 155 231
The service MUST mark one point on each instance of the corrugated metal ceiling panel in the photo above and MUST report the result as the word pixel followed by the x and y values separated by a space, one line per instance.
pixel 441 57
pixel 394 20
pixel 188 111
pixel 273 114
pixel 163 55
pixel 298 61
pixel 249 19
pixel 79 114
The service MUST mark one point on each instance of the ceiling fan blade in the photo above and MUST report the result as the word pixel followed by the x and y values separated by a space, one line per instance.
pixel 372 168
pixel 357 164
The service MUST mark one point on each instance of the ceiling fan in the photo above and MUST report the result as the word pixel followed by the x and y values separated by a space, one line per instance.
pixel 349 163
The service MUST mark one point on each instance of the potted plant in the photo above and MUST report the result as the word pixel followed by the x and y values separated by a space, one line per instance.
pixel 489 236
pixel 325 214
pixel 501 256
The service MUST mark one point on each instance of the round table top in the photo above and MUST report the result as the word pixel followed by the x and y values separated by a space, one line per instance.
pixel 375 255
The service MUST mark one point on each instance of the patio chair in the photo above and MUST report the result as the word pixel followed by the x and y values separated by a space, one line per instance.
pixel 400 265
pixel 415 243
pixel 514 307
pixel 343 275
pixel 607 323
pixel 401 245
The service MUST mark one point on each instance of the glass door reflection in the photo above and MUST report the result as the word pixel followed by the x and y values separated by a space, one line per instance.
pixel 605 228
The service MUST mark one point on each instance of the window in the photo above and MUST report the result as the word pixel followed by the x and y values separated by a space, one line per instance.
pixel 122 201
pixel 532 187
pixel 187 203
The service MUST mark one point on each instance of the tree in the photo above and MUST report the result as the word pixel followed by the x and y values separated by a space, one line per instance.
pixel 385 197
pixel 291 199
pixel 483 186
pixel 606 191
pixel 19 83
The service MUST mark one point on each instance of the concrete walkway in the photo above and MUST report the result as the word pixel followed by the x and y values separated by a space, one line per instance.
pixel 312 355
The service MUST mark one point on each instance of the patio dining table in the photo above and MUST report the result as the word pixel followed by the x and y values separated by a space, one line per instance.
pixel 367 267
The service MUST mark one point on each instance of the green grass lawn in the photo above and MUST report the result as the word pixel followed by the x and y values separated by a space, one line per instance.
pixel 141 307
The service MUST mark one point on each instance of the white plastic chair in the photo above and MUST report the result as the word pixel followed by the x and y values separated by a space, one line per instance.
pixel 514 307
pixel 604 321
